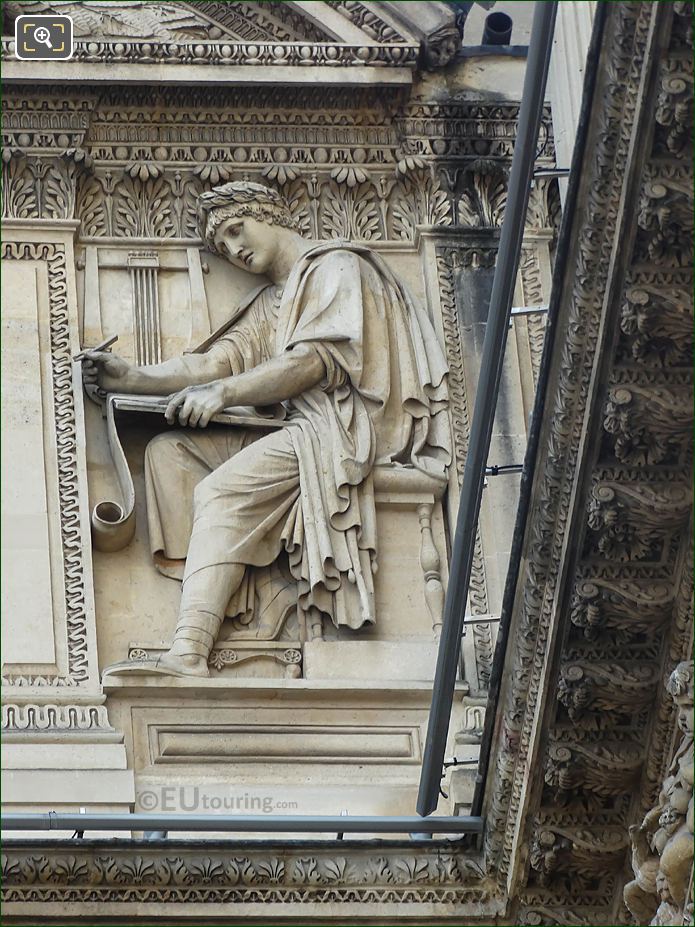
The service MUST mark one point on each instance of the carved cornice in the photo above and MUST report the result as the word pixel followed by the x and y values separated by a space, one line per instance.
pixel 367 20
pixel 315 876
pixel 108 52
pixel 601 607
pixel 236 32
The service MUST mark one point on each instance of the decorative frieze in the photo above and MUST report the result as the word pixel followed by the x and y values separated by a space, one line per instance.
pixel 56 720
pixel 312 876
pixel 348 163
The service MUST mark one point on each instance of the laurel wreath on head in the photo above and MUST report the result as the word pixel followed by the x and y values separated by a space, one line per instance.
pixel 241 198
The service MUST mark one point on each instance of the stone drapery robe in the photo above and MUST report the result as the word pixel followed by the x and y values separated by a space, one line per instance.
pixel 382 401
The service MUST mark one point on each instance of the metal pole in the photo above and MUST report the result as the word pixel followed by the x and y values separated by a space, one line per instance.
pixel 238 823
pixel 486 400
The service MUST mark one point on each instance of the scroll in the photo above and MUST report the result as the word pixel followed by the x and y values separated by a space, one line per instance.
pixel 113 523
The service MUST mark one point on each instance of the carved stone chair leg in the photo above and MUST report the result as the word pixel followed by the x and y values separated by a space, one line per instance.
pixel 314 624
pixel 303 626
pixel 431 567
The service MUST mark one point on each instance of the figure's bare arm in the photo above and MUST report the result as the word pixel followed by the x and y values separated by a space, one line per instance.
pixel 116 375
pixel 280 378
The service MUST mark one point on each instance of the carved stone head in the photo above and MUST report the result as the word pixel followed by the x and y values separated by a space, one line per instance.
pixel 680 688
pixel 240 198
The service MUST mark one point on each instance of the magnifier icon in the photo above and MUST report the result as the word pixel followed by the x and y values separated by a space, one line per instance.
pixel 44 36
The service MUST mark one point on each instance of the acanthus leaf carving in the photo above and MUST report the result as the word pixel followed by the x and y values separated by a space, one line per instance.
pixel 419 200
pixel 665 215
pixel 674 108
pixel 484 195
pixel 579 855
pixel 143 208
pixel 350 211
pixel 19 198
pixel 658 329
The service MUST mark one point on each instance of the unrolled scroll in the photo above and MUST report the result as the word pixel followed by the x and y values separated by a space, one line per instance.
pixel 113 523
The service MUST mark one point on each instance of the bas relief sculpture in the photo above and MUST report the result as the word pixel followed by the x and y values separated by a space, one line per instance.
pixel 133 18
pixel 662 846
pixel 339 343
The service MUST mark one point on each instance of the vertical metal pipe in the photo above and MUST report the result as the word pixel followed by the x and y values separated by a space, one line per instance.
pixel 486 400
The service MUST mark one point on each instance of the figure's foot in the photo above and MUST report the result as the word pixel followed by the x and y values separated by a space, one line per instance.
pixel 169 664
pixel 178 664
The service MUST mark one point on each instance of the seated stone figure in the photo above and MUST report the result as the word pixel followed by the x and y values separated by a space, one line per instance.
pixel 338 340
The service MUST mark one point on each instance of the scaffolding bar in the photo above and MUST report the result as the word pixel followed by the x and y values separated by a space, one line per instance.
pixel 241 824
pixel 487 390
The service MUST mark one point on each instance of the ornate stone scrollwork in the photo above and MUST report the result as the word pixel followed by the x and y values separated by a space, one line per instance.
pixel 628 606
pixel 657 329
pixel 632 521
pixel 609 687
pixel 648 425
pixel 605 769
pixel 582 855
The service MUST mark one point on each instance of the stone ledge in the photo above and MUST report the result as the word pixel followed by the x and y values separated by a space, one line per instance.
pixel 253 687
pixel 368 881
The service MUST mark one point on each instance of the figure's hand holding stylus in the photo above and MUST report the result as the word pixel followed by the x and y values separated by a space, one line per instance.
pixel 104 369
